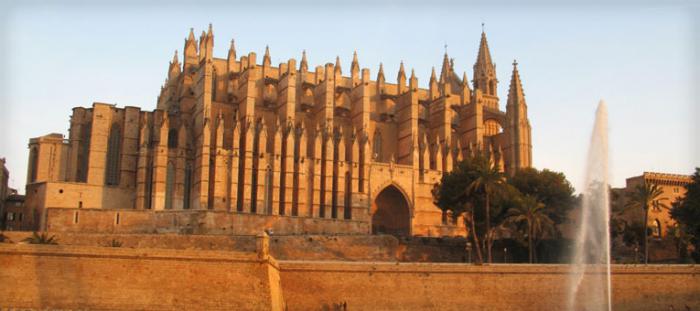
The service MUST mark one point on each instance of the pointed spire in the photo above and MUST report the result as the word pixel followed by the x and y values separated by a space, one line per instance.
pixel 174 67
pixel 465 80
pixel 380 74
pixel 402 72
pixel 516 88
pixel 484 56
pixel 445 71
pixel 210 32
pixel 338 70
pixel 266 57
pixel 232 50
pixel 355 62
pixel 303 65
pixel 191 35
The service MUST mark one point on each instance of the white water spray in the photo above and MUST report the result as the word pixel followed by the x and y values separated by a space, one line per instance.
pixel 589 282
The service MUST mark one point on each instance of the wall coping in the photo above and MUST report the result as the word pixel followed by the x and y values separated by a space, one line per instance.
pixel 414 267
pixel 128 253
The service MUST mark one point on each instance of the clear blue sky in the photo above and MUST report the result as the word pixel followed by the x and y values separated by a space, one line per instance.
pixel 640 59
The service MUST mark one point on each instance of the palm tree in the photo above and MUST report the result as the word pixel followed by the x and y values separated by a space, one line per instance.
pixel 530 213
pixel 488 181
pixel 470 218
pixel 645 196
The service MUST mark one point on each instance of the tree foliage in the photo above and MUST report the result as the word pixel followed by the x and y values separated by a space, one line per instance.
pixel 686 212
pixel 646 196
pixel 531 221
pixel 548 187
pixel 475 189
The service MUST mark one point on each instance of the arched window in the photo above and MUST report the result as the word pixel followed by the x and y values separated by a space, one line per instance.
pixel 112 165
pixel 377 146
pixel 492 87
pixel 214 81
pixel 268 191
pixel 188 186
pixel 656 230
pixel 347 212
pixel 172 138
pixel 33 164
pixel 83 153
pixel 169 183
pixel 491 127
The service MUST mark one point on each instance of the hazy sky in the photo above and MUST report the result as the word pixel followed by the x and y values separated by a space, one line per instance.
pixel 643 60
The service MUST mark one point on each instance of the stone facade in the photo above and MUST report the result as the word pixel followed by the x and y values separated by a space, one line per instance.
pixel 238 136
pixel 672 187
pixel 123 278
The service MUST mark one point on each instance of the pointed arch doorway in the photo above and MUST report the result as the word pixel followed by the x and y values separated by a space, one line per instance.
pixel 390 213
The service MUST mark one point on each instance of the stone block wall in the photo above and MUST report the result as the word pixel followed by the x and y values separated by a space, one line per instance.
pixel 70 277
pixel 431 286
pixel 86 277
pixel 192 222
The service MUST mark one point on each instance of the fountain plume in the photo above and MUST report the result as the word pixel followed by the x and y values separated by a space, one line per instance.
pixel 590 284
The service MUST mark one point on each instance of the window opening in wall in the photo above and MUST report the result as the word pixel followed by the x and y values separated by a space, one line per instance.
pixel 33 164
pixel 188 186
pixel 10 216
pixel 60 190
pixel 113 152
pixel 75 217
pixel 172 138
pixel 377 147
pixel 116 218
pixel 20 217
pixel 656 230
pixel 80 204
pixel 347 212
pixel 268 191
pixel 169 184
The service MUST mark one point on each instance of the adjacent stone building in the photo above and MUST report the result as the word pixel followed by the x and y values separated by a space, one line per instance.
pixel 4 190
pixel 242 143
pixel 673 189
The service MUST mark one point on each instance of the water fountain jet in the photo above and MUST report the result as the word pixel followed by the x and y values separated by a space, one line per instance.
pixel 590 283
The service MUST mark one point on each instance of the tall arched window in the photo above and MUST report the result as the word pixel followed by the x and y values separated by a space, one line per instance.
pixel 656 230
pixel 268 191
pixel 188 186
pixel 169 184
pixel 112 165
pixel 377 146
pixel 347 212
pixel 172 138
pixel 33 164
pixel 214 81
pixel 84 152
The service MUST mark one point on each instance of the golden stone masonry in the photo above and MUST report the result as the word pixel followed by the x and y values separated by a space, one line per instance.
pixel 237 146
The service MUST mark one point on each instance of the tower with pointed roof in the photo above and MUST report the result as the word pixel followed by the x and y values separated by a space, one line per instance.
pixel 519 146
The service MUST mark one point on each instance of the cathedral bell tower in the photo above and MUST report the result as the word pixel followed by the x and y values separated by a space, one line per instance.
pixel 519 144
pixel 484 70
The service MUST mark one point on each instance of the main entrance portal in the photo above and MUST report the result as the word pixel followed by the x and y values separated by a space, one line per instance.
pixel 391 213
